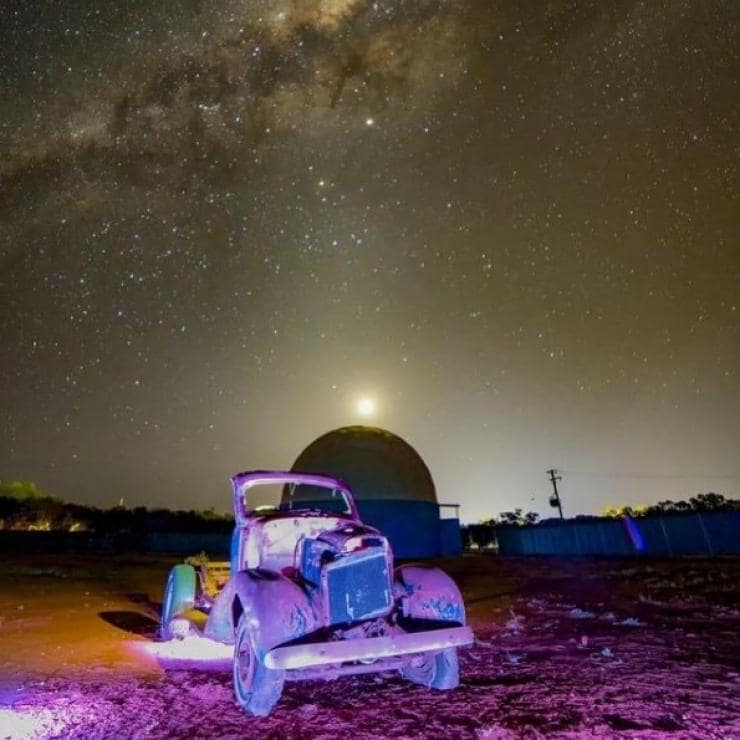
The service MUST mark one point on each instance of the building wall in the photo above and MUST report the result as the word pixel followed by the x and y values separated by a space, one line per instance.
pixel 707 533
pixel 413 527
pixel 450 537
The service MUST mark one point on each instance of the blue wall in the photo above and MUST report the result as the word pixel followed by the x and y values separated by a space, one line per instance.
pixel 708 533
pixel 413 527
pixel 189 544
pixel 450 537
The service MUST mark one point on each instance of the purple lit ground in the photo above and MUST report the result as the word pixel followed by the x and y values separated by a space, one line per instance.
pixel 579 648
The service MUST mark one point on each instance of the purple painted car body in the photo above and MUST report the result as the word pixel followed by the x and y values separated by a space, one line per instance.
pixel 311 592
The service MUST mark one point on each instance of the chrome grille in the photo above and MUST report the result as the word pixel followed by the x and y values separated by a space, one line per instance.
pixel 358 586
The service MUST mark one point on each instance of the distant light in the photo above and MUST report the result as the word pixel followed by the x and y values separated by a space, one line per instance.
pixel 369 121
pixel 366 407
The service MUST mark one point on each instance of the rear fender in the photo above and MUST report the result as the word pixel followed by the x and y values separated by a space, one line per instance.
pixel 428 593
pixel 277 609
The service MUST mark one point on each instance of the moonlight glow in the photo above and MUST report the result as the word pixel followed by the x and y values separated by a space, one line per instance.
pixel 366 407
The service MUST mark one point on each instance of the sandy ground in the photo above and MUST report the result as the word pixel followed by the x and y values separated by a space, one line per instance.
pixel 564 648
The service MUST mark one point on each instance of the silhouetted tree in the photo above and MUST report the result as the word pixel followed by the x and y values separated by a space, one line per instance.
pixel 517 518
pixel 701 502
pixel 481 534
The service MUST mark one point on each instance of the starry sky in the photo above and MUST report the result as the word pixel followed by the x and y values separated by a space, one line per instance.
pixel 514 226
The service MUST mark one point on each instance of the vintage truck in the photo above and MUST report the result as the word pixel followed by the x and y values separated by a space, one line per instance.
pixel 311 592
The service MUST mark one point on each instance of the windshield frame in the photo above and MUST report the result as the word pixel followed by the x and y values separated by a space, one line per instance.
pixel 242 482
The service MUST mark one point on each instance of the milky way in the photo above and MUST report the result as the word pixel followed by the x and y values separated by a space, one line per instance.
pixel 515 229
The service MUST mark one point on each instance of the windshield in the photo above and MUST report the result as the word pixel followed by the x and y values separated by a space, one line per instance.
pixel 266 497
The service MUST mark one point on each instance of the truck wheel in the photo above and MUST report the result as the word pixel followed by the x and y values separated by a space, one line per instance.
pixel 179 596
pixel 436 671
pixel 256 687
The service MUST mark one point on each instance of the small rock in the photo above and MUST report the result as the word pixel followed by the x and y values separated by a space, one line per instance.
pixel 631 622
pixel 577 613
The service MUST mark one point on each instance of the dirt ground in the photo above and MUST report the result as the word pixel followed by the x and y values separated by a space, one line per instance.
pixel 564 648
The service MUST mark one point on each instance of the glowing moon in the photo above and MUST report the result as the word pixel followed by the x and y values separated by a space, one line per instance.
pixel 365 407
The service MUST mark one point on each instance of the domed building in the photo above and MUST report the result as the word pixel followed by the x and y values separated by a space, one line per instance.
pixel 392 485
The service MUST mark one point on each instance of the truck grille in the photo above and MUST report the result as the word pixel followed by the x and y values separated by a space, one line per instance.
pixel 358 586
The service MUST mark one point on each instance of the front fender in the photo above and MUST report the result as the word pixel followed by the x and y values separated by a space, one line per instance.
pixel 277 609
pixel 428 593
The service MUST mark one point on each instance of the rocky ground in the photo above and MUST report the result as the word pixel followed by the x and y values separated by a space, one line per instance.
pixel 564 648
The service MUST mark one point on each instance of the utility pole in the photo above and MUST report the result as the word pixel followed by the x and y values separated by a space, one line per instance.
pixel 555 498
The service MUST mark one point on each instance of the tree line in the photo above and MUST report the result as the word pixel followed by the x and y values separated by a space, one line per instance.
pixel 25 506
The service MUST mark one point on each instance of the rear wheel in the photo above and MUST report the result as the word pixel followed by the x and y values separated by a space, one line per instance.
pixel 434 670
pixel 256 687
pixel 179 597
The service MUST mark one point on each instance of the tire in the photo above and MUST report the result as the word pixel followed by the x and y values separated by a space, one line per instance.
pixel 437 671
pixel 257 688
pixel 179 597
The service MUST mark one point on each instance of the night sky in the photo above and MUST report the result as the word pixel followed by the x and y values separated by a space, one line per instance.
pixel 513 226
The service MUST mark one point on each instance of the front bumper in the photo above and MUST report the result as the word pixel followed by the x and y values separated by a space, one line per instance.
pixel 365 649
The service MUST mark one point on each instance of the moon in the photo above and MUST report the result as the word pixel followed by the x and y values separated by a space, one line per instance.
pixel 365 406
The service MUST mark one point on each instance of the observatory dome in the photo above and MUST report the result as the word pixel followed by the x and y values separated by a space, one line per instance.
pixel 374 462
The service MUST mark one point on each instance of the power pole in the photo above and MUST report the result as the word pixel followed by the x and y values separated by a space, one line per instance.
pixel 555 498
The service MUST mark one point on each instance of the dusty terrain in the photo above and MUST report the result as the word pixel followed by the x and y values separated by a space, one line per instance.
pixel 565 648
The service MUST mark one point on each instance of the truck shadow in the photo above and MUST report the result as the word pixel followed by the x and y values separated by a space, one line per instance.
pixel 142 599
pixel 135 623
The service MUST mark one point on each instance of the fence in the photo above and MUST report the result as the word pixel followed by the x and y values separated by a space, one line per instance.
pixel 182 543
pixel 420 537
pixel 700 533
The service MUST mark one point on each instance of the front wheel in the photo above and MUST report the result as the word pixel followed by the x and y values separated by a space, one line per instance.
pixel 256 687
pixel 434 670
